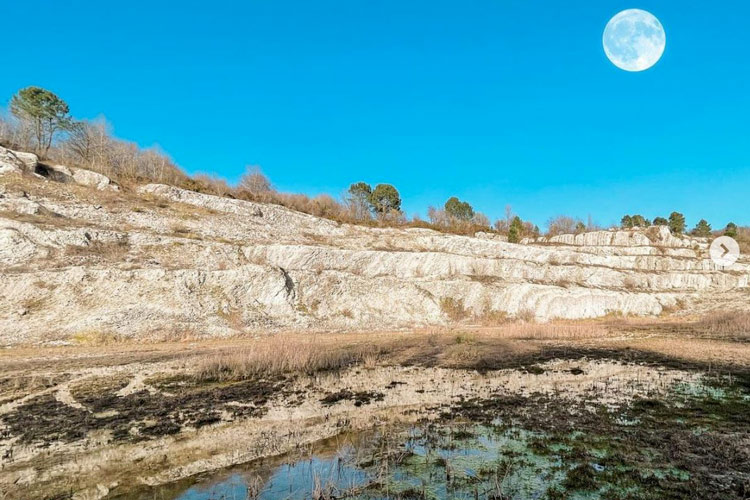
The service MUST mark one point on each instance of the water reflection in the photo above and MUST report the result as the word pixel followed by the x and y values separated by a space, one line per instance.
pixel 324 475
pixel 421 462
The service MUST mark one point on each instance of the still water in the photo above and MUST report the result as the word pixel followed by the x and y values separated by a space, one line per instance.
pixel 429 462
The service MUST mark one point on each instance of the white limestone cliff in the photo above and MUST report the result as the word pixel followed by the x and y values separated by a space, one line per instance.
pixel 166 261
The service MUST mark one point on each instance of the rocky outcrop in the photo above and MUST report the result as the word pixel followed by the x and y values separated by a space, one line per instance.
pixel 654 236
pixel 166 261
pixel 14 162
pixel 83 177
pixel 19 162
pixel 93 179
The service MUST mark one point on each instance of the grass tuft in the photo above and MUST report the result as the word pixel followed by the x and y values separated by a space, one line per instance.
pixel 734 324
pixel 281 354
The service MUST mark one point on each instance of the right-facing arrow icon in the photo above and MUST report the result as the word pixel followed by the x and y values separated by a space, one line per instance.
pixel 724 251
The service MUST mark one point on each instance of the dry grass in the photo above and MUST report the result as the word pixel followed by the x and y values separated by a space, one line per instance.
pixel 726 324
pixel 551 331
pixel 45 219
pixel 95 338
pixel 526 315
pixel 233 318
pixel 453 308
pixel 492 317
pixel 108 250
pixel 284 353
pixel 312 353
pixel 182 231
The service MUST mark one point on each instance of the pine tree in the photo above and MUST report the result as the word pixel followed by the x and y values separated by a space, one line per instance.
pixel 516 230
pixel 46 114
pixel 459 209
pixel 677 223
pixel 385 199
pixel 702 229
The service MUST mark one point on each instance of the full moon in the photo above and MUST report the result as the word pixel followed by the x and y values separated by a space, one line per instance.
pixel 634 40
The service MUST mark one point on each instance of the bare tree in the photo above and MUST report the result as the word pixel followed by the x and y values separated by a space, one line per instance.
pixel 256 184
pixel 562 224
pixel 481 220
pixel 214 184
pixel 509 215
pixel 91 143
pixel 15 133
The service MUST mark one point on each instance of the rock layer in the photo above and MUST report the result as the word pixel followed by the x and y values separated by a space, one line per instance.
pixel 77 262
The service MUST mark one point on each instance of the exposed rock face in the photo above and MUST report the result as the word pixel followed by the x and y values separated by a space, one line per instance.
pixel 165 261
pixel 30 160
pixel 19 162
pixel 658 236
pixel 92 179
pixel 13 162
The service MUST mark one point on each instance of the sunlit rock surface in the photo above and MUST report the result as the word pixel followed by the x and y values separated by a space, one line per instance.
pixel 161 261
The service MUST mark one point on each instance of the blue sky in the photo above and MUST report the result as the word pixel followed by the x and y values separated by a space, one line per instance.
pixel 497 102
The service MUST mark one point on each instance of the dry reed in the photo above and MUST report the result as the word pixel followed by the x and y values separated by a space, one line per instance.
pixel 731 324
pixel 280 354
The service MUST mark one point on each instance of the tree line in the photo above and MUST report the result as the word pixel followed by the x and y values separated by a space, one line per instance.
pixel 677 225
pixel 40 121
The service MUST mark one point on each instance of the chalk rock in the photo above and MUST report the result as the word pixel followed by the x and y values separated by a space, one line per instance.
pixel 10 163
pixel 93 179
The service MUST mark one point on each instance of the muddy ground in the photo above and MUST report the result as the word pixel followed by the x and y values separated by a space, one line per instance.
pixel 117 421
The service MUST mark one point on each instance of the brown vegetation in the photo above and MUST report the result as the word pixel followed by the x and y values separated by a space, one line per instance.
pixel 312 353
pixel 283 353
pixel 726 324
pixel 453 308
pixel 92 146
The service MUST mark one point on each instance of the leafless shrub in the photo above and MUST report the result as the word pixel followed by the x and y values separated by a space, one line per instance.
pixel 91 145
pixel 216 185
pixel 678 305
pixel 563 282
pixel 15 134
pixel 526 315
pixel 743 238
pixel 453 308
pixel 347 313
pixel 256 185
pixel 442 221
pixel 492 317
pixel 232 316
pixel 109 250
pixel 183 231
pixel 562 224
pixel 652 233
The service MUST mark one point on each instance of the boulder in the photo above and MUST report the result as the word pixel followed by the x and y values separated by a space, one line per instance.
pixel 59 173
pixel 54 172
pixel 10 163
pixel 30 160
pixel 93 179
